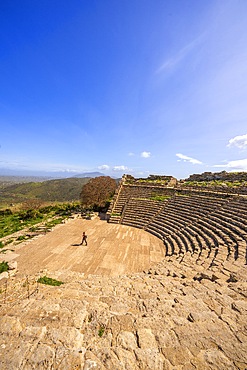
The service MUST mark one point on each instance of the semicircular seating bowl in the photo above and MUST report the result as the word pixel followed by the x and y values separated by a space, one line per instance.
pixel 201 227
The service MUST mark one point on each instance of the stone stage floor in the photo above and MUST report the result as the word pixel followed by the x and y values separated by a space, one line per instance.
pixel 112 249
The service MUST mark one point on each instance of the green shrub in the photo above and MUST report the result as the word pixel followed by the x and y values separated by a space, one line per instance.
pixel 9 241
pixel 49 281
pixel 4 266
pixel 33 228
pixel 54 222
pixel 30 214
pixel 46 209
pixel 5 212
pixel 3 251
pixel 101 331
pixel 1 245
pixel 21 237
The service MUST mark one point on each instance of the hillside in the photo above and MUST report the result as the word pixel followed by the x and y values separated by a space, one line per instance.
pixel 6 181
pixel 61 190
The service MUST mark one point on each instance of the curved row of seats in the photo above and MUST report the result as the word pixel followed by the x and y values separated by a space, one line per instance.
pixel 140 212
pixel 211 229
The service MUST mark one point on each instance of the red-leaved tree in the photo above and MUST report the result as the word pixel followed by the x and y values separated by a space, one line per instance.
pixel 97 192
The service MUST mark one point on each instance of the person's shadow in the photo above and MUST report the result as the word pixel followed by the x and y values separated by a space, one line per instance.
pixel 76 245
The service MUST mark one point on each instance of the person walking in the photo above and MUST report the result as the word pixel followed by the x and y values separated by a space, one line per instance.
pixel 84 238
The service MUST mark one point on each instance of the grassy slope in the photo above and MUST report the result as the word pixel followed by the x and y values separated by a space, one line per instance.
pixel 61 190
pixel 6 181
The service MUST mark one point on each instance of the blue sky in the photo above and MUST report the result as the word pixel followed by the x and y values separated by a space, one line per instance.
pixel 140 87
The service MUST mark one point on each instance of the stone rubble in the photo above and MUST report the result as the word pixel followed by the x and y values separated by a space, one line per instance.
pixel 172 316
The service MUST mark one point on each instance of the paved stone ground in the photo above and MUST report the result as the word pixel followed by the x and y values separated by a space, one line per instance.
pixel 174 315
pixel 111 250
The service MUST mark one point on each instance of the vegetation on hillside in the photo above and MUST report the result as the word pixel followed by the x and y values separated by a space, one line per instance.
pixel 148 181
pixel 6 181
pixel 62 190
pixel 34 206
pixel 214 183
pixel 97 192
pixel 11 222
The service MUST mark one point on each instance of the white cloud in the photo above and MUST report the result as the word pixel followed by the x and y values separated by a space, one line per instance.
pixel 53 167
pixel 185 158
pixel 66 170
pixel 145 154
pixel 238 165
pixel 120 168
pixel 104 167
pixel 239 141
pixel 130 154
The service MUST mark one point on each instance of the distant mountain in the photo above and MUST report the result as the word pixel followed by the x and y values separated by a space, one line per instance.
pixel 47 174
pixel 28 173
pixel 89 174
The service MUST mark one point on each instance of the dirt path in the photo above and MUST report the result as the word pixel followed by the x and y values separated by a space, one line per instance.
pixel 112 249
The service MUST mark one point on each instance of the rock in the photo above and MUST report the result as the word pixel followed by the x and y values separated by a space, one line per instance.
pixel 127 340
pixel 190 317
pixel 176 355
pixel 149 359
pixel 12 265
pixel 128 359
pixel 200 276
pixel 31 333
pixel 91 365
pixel 232 279
pixel 146 339
pixel 4 275
pixel 240 306
pixel 42 357
pixel 71 337
pixel 218 360
pixel 79 319
pixel 10 325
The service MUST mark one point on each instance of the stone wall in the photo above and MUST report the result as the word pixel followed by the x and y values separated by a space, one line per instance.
pixel 224 176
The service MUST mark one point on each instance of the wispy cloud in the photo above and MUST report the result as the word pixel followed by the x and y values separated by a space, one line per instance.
pixel 174 60
pixel 10 163
pixel 104 167
pixel 131 154
pixel 237 165
pixel 145 154
pixel 38 166
pixel 185 158
pixel 238 141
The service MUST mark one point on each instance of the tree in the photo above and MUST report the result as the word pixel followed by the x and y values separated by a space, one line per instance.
pixel 31 204
pixel 97 192
pixel 30 209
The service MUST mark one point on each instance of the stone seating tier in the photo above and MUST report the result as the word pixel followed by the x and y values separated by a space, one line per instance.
pixel 211 227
